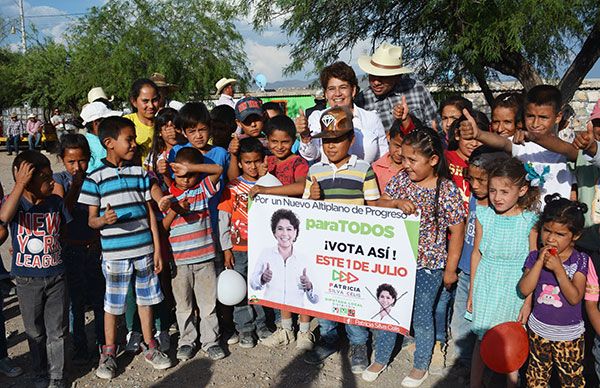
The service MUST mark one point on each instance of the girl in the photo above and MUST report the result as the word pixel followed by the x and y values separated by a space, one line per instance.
pixel 144 98
pixel 81 246
pixel 425 186
pixel 291 171
pixel 504 234
pixel 451 110
pixel 165 137
pixel 507 115
pixel 556 276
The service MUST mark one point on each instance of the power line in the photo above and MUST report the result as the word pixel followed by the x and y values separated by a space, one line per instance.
pixel 56 15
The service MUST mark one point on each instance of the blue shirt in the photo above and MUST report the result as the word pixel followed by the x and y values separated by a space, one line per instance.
pixel 98 152
pixel 78 230
pixel 216 155
pixel 35 233
pixel 465 258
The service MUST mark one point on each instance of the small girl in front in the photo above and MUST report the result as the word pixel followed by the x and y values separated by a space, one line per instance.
pixel 504 234
pixel 424 185
pixel 556 276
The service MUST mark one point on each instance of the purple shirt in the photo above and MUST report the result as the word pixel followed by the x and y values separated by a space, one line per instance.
pixel 549 304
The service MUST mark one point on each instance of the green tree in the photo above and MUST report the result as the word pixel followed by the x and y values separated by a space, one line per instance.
pixel 451 40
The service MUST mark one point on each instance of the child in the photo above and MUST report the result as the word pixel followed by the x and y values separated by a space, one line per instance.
pixel 129 237
pixel 425 185
pixel 507 114
pixel 291 171
pixel 81 246
pixel 36 218
pixel 504 234
pixel 250 117
pixel 325 179
pixel 191 238
pixel 166 136
pixel 389 164
pixel 480 162
pixel 556 275
pixel 542 114
pixel 92 114
pixel 233 227
pixel 451 109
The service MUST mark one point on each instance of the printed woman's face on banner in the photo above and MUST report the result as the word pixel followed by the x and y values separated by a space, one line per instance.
pixel 285 233
pixel 385 299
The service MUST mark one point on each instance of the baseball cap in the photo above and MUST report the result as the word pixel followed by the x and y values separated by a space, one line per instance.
pixel 248 106
pixel 335 122
pixel 97 110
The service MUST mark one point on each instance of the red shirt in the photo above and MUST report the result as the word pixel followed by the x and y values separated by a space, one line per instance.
pixel 384 171
pixel 458 168
pixel 288 171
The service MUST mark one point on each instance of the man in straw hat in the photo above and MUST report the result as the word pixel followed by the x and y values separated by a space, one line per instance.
pixel 14 131
pixel 225 89
pixel 164 89
pixel 389 83
pixel 97 94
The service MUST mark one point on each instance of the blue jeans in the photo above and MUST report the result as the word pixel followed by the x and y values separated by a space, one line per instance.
pixel 383 345
pixel 428 284
pixel 357 335
pixel 34 140
pixel 86 285
pixel 12 144
pixel 246 317
pixel 463 337
pixel 596 353
pixel 442 314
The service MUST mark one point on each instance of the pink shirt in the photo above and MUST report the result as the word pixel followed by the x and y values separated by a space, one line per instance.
pixel 592 290
pixel 33 127
pixel 384 171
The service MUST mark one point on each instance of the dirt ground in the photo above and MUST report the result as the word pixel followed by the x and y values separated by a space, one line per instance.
pixel 258 367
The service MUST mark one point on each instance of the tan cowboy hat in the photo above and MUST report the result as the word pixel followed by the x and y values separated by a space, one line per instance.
pixel 96 93
pixel 161 81
pixel 224 82
pixel 386 61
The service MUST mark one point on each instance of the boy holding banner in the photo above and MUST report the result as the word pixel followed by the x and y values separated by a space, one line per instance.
pixel 346 179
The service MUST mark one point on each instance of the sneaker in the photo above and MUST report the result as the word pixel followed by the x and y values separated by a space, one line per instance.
pixel 134 342
pixel 215 353
pixel 233 339
pixel 185 352
pixel 164 341
pixel 358 358
pixel 281 337
pixel 8 369
pixel 319 354
pixel 247 340
pixel 305 340
pixel 107 368
pixel 56 383
pixel 263 333
pixel 156 358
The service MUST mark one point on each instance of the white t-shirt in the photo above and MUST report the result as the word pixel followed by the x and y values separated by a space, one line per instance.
pixel 58 121
pixel 559 179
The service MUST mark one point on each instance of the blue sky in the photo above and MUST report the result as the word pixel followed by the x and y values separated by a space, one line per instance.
pixel 263 54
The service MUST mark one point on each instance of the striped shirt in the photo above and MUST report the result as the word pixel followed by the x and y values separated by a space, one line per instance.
pixel 191 234
pixel 127 190
pixel 352 183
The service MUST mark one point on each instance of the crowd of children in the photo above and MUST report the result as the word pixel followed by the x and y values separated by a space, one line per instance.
pixel 151 207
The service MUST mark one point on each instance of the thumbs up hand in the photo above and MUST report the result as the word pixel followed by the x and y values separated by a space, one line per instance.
pixel 267 275
pixel 302 126
pixel 468 129
pixel 315 189
pixel 110 216
pixel 234 145
pixel 305 283
pixel 400 111
pixel 583 140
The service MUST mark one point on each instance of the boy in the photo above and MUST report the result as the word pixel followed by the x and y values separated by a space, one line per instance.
pixel 35 218
pixel 250 118
pixel 193 248
pixel 92 114
pixel 129 238
pixel 542 115
pixel 233 230
pixel 346 179
pixel 389 164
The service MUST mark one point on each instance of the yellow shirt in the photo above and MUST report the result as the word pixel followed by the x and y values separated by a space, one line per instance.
pixel 144 134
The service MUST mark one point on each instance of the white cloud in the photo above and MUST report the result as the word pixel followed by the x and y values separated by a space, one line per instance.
pixel 268 60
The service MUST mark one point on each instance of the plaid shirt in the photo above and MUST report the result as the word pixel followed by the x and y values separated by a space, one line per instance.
pixel 419 100
pixel 14 128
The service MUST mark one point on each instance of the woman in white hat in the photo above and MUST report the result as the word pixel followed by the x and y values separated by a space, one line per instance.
pixel 340 86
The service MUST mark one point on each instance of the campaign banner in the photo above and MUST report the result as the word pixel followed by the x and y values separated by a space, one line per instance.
pixel 346 263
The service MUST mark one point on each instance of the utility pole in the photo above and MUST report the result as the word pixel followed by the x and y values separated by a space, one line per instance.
pixel 22 16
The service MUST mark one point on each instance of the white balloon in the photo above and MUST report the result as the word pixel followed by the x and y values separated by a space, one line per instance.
pixel 231 287
pixel 35 245
pixel 268 180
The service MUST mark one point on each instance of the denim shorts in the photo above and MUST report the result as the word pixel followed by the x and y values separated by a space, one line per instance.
pixel 120 273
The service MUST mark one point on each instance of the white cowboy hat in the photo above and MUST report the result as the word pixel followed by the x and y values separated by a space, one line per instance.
pixel 97 110
pixel 96 93
pixel 224 82
pixel 386 61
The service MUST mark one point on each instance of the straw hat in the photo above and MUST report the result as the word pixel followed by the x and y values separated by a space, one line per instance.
pixel 161 81
pixel 386 61
pixel 224 82
pixel 96 93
